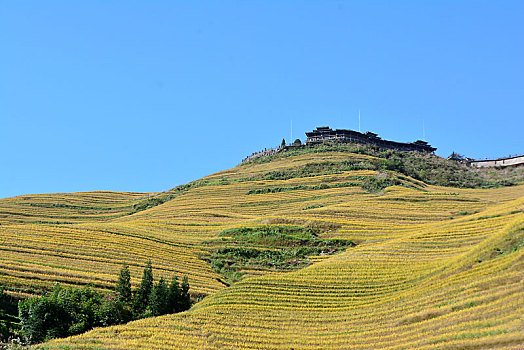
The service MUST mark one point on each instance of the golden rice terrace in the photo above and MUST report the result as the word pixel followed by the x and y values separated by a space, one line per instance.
pixel 327 249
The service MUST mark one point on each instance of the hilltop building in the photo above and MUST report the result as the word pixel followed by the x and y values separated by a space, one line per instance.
pixel 326 134
pixel 514 161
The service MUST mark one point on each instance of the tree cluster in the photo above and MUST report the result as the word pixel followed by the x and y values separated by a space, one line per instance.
pixel 69 311
pixel 153 299
pixel 8 320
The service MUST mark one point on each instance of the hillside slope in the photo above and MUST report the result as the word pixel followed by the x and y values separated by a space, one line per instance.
pixel 446 286
pixel 85 237
pixel 71 238
pixel 434 266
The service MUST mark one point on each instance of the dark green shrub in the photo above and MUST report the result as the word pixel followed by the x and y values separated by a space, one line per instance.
pixel 9 322
pixel 377 183
pixel 63 312
pixel 69 311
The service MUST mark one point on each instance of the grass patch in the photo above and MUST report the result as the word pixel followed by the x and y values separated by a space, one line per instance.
pixel 374 184
pixel 268 248
pixel 313 206
pixel 164 197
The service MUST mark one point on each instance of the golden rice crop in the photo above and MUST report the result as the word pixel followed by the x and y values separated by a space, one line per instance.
pixel 434 268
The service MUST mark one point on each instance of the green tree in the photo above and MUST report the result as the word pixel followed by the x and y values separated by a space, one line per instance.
pixel 69 311
pixel 123 285
pixel 173 295
pixel 63 312
pixel 34 318
pixel 8 315
pixel 297 142
pixel 141 299
pixel 158 298
pixel 114 311
pixel 185 299
pixel 283 143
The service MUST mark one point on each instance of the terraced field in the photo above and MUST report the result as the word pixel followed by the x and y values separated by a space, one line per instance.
pixel 435 267
pixel 72 239
pixel 66 208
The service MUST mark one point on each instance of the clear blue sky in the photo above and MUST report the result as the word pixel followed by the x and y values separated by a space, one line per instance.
pixel 146 95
